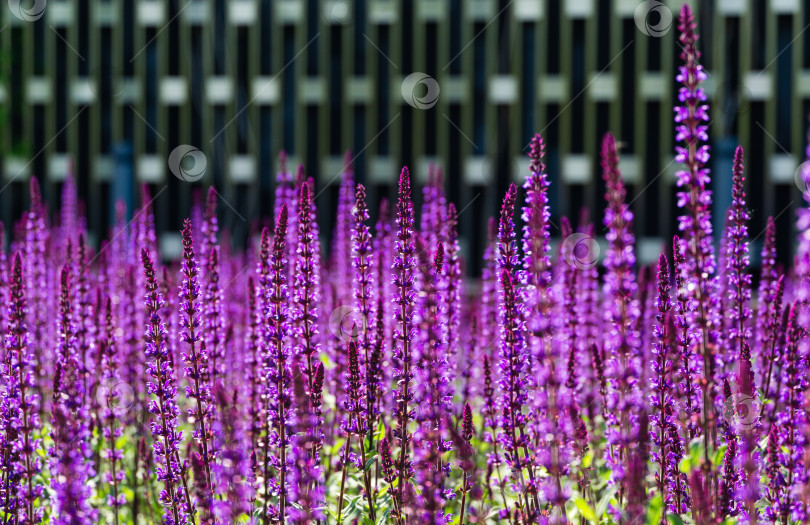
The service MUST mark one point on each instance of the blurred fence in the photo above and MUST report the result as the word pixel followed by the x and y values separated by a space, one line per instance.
pixel 117 85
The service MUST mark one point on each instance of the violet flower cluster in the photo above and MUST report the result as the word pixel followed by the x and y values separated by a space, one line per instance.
pixel 377 382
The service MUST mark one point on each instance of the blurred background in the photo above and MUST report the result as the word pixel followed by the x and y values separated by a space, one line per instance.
pixel 109 89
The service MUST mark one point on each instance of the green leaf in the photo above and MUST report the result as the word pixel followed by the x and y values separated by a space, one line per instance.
pixel 370 461
pixel 351 506
pixel 685 466
pixel 587 460
pixel 584 508
pixel 384 517
pixel 694 452
pixel 604 501
pixel 717 460
pixel 674 519
pixel 338 445
pixel 656 510
pixel 416 487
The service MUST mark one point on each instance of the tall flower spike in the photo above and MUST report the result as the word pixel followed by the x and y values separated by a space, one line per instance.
pixel 277 365
pixel 263 274
pixel 363 275
pixel 771 352
pixel 374 370
pixel 660 398
pixel 85 329
pixel 198 389
pixel 307 296
pixel 620 286
pixel 792 417
pixel 695 198
pixel 727 505
pixel 536 248
pixel 36 241
pixel 777 503
pixel 254 363
pixel 307 291
pixel 387 461
pixel 433 389
pixel 507 250
pixel 70 464
pixel 19 409
pixel 622 344
pixel 512 357
pixel 467 432
pixel 404 336
pixel 766 293
pixel 467 429
pixel 680 501
pixel 748 491
pixel 688 387
pixel 115 401
pixel 694 154
pixel 307 487
pixel 354 389
pixel 167 437
pixel 454 294
pixel 4 278
pixel 802 258
pixel 214 323
pixel 488 317
pixel 354 424
pixel 737 259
